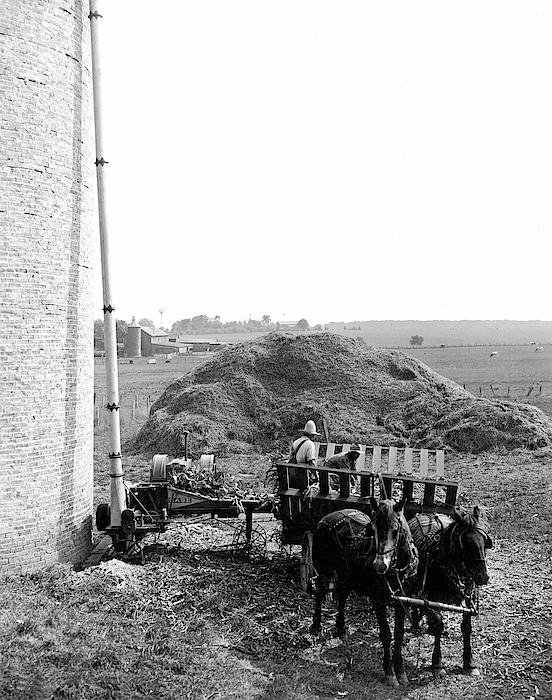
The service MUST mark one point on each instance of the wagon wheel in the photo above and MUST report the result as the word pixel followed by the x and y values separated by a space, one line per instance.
pixel 252 548
pixel 103 516
pixel 306 567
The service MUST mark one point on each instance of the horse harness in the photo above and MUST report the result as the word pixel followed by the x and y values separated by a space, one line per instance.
pixel 351 532
pixel 433 547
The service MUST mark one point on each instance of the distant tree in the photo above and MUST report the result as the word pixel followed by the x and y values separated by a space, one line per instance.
pixel 181 327
pixel 147 322
pixel 416 340
pixel 200 324
pixel 360 339
pixel 121 330
pixel 303 324
pixel 318 327
pixel 99 335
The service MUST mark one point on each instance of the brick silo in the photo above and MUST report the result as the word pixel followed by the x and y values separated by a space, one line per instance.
pixel 46 258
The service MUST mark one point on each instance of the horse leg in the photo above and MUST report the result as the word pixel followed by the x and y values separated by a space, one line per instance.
pixel 320 596
pixel 436 628
pixel 470 664
pixel 385 639
pixel 416 617
pixel 398 644
pixel 342 594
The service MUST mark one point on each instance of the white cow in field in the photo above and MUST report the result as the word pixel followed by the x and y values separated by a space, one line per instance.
pixel 539 349
pixel 493 354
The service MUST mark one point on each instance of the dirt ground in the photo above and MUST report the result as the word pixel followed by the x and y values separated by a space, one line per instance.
pixel 255 642
pixel 248 621
pixel 196 621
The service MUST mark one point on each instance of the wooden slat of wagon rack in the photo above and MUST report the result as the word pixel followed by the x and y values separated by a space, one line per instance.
pixel 414 469
pixel 391 460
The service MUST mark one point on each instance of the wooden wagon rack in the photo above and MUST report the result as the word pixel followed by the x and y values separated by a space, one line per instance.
pixel 307 494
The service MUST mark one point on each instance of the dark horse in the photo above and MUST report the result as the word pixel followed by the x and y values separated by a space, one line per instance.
pixel 356 553
pixel 452 566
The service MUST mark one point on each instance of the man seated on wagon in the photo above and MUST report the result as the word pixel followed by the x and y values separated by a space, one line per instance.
pixel 344 460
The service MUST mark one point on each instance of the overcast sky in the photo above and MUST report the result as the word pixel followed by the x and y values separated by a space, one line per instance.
pixel 334 161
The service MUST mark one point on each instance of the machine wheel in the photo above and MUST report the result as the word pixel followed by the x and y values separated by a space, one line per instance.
pixel 158 470
pixel 255 547
pixel 306 566
pixel 103 516
pixel 207 462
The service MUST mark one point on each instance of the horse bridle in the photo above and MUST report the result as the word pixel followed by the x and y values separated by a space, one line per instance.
pixel 460 544
pixel 413 552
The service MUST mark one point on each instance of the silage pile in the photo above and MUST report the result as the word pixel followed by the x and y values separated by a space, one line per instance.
pixel 256 396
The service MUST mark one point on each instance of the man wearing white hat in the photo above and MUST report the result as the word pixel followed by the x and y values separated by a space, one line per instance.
pixel 303 448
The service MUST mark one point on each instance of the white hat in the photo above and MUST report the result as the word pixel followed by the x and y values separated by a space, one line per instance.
pixel 310 428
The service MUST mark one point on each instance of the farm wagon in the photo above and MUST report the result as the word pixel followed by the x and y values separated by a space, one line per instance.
pixel 306 494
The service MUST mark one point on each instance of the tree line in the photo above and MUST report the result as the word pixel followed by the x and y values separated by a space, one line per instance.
pixel 200 325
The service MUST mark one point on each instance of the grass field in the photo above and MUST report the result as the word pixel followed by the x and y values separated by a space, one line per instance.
pixel 435 333
pixel 517 373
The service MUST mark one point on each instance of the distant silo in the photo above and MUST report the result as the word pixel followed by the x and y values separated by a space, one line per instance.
pixel 46 295
pixel 133 340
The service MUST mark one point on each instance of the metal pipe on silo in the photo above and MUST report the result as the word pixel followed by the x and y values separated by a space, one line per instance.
pixel 118 499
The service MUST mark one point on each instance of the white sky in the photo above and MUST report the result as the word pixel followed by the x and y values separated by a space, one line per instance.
pixel 328 160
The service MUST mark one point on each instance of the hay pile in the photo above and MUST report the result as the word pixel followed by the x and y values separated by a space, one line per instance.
pixel 257 395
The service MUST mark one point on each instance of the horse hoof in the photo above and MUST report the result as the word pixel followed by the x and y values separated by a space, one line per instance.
pixel 403 679
pixel 392 681
pixel 472 672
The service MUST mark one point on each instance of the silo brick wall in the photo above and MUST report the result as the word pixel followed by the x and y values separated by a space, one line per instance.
pixel 46 259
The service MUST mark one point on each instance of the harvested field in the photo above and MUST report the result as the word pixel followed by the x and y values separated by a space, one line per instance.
pixel 194 622
pixel 255 396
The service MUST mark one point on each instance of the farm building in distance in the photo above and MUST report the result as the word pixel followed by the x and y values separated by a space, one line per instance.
pixel 197 344
pixel 143 341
